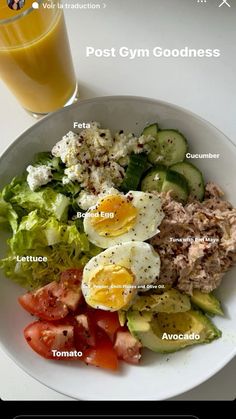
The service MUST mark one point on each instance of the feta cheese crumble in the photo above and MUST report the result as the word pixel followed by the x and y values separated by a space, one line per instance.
pixel 67 148
pixel 38 176
pixel 96 159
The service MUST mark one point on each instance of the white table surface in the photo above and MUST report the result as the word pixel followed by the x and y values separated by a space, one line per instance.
pixel 205 86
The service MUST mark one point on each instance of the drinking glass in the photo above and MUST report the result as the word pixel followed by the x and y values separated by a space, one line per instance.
pixel 35 57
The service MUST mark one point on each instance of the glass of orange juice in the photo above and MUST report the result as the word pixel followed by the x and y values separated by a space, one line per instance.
pixel 35 58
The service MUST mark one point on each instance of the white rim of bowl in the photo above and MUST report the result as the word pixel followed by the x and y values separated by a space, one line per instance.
pixel 220 365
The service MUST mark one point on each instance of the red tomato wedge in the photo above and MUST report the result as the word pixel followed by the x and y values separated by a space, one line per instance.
pixel 107 321
pixel 85 332
pixel 44 337
pixel 103 355
pixel 127 347
pixel 44 303
pixel 70 291
pixel 53 301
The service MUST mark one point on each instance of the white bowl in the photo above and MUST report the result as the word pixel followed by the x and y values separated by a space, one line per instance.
pixel 159 376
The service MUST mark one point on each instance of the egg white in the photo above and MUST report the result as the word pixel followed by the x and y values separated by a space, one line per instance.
pixel 140 258
pixel 146 224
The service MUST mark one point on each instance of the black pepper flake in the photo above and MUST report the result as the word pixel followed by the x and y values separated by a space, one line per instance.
pixel 65 332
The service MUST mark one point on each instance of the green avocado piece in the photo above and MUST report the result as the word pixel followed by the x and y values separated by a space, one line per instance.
pixel 165 333
pixel 171 301
pixel 207 302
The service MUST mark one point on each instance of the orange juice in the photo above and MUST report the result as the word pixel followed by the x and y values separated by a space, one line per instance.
pixel 35 59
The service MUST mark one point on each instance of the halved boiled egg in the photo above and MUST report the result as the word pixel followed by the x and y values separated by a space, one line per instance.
pixel 112 279
pixel 119 218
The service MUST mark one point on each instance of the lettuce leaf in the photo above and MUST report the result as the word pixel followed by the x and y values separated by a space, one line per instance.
pixel 47 159
pixel 70 189
pixel 32 275
pixel 7 214
pixel 42 225
pixel 46 201
pixel 8 190
pixel 63 245
pixel 34 232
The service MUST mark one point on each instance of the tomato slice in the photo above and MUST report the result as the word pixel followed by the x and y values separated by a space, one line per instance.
pixel 53 301
pixel 108 321
pixel 127 347
pixel 103 355
pixel 44 303
pixel 85 332
pixel 44 337
pixel 73 332
pixel 70 288
pixel 73 275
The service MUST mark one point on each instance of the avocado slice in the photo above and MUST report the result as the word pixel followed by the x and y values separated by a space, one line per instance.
pixel 207 302
pixel 171 301
pixel 151 329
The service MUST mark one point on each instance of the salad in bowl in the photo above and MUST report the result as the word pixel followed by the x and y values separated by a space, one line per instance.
pixel 119 244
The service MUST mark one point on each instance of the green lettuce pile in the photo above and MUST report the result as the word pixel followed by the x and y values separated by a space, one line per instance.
pixel 43 224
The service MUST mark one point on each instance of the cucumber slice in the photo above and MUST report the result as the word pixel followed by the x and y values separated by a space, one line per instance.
pixel 176 183
pixel 154 179
pixel 151 130
pixel 137 165
pixel 194 178
pixel 171 146
pixel 154 153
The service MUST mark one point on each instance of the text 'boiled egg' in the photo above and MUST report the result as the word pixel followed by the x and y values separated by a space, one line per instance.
pixel 119 218
pixel 112 279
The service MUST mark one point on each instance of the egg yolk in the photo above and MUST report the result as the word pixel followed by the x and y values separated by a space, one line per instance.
pixel 113 216
pixel 111 287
